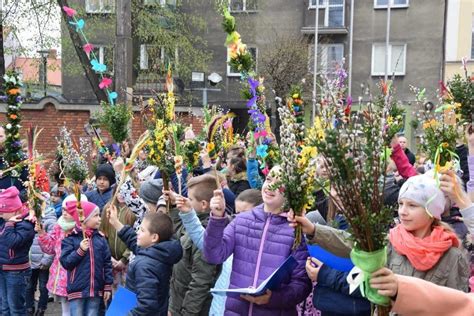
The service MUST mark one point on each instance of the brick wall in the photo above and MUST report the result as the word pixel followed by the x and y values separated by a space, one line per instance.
pixel 51 120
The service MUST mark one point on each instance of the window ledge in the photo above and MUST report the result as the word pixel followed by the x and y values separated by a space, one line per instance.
pixel 245 11
pixel 390 75
pixel 391 7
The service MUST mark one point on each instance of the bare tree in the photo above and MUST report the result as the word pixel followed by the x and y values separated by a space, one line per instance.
pixel 285 63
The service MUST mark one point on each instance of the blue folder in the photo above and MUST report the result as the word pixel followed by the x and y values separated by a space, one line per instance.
pixel 333 261
pixel 271 283
pixel 124 301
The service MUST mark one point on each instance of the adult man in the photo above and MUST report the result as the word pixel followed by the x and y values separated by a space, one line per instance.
pixel 403 143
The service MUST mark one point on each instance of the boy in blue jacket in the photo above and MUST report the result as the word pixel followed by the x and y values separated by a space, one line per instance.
pixel 104 180
pixel 16 237
pixel 88 262
pixel 149 274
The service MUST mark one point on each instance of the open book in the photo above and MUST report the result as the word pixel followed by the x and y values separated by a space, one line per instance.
pixel 271 283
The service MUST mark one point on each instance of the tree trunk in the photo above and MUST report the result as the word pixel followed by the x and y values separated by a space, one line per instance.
pixel 76 40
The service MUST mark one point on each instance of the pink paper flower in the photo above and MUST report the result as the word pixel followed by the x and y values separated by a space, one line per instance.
pixel 88 48
pixel 105 83
pixel 262 134
pixel 69 11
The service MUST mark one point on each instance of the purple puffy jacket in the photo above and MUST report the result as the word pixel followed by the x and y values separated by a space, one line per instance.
pixel 260 242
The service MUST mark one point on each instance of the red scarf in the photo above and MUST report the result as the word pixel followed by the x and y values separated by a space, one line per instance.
pixel 423 253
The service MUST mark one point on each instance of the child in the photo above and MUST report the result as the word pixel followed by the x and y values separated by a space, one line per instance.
pixel 420 246
pixel 237 171
pixel 260 240
pixel 193 276
pixel 104 179
pixel 245 201
pixel 15 242
pixel 155 254
pixel 120 253
pixel 58 194
pixel 50 243
pixel 40 263
pixel 87 261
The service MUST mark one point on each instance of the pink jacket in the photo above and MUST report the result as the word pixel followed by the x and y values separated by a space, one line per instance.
pixel 51 244
pixel 405 169
pixel 417 297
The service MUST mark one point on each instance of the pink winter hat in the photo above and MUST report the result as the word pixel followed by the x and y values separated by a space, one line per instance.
pixel 10 200
pixel 88 208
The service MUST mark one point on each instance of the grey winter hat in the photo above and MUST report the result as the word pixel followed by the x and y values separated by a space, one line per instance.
pixel 151 190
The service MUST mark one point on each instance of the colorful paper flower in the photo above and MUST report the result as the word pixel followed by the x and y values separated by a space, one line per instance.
pixel 88 48
pixel 79 24
pixel 13 91
pixel 105 83
pixel 262 151
pixel 70 12
pixel 97 66
pixel 13 116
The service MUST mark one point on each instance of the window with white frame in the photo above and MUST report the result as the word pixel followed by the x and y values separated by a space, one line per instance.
pixel 154 57
pixel 242 5
pixel 160 2
pixel 472 39
pixel 100 6
pixel 333 11
pixel 382 4
pixel 104 55
pixel 330 57
pixel 396 55
pixel 253 51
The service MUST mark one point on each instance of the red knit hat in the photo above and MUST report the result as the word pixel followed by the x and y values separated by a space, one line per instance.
pixel 10 200
pixel 88 208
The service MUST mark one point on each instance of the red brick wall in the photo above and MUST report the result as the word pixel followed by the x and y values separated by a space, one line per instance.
pixel 51 120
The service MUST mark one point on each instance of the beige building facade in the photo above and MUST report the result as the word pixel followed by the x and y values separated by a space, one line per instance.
pixel 459 37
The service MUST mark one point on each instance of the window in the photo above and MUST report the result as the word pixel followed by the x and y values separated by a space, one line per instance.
pixel 333 11
pixel 472 39
pixel 105 55
pixel 100 6
pixel 162 3
pixel 153 57
pixel 397 56
pixel 253 51
pixel 330 57
pixel 242 5
pixel 382 4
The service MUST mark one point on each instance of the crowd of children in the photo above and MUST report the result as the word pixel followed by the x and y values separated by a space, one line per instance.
pixel 227 229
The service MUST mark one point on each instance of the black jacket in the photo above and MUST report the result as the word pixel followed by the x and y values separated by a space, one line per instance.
pixel 411 157
pixel 149 273
pixel 238 186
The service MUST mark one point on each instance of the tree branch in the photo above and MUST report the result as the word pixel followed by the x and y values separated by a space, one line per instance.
pixel 77 42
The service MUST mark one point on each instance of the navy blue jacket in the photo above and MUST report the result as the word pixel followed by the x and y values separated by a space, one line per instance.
pixel 331 295
pixel 15 243
pixel 87 275
pixel 149 273
pixel 8 181
pixel 99 199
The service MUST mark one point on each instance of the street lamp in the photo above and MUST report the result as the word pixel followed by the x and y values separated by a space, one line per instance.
pixel 44 56
pixel 199 78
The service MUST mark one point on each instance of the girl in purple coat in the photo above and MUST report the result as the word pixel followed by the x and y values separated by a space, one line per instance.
pixel 260 240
